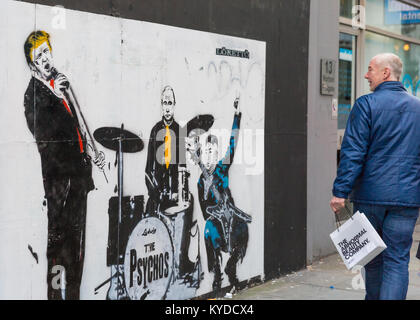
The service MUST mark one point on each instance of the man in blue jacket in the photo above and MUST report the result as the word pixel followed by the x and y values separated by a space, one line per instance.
pixel 380 172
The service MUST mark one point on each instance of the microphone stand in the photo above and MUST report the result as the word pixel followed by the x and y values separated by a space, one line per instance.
pixel 70 95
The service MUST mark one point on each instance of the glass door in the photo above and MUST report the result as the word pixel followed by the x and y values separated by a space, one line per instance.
pixel 346 83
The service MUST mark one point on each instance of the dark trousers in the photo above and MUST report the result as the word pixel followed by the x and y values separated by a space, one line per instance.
pixel 216 242
pixel 67 200
pixel 386 276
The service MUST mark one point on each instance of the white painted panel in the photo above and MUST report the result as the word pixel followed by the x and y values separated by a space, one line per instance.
pixel 117 69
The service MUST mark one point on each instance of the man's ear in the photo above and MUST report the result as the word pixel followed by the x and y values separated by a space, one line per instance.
pixel 387 73
pixel 32 68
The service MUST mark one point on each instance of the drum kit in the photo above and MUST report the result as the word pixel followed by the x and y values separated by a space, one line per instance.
pixel 147 253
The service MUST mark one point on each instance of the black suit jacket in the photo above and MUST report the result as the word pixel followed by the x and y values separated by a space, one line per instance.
pixel 56 131
pixel 166 179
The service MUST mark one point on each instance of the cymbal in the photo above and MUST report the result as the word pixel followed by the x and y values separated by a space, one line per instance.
pixel 177 209
pixel 109 136
pixel 202 122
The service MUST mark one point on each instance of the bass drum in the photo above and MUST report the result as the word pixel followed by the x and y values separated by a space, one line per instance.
pixel 148 261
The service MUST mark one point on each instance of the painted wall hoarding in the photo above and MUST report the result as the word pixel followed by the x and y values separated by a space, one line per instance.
pixel 132 157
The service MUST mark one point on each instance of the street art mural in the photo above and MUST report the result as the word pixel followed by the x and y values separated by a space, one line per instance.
pixel 412 87
pixel 138 161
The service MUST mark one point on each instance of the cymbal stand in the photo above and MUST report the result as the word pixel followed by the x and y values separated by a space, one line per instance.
pixel 120 195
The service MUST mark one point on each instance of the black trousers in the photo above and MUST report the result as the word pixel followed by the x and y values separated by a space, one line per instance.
pixel 215 243
pixel 66 200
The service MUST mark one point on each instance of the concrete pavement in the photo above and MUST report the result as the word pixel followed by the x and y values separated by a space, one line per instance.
pixel 327 279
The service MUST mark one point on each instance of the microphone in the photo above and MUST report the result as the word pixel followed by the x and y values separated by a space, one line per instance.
pixel 55 74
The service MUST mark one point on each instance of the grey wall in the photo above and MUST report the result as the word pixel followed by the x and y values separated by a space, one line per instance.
pixel 322 130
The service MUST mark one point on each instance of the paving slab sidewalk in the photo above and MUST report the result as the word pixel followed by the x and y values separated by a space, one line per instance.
pixel 327 279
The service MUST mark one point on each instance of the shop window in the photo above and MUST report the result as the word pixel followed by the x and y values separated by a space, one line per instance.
pixel 394 16
pixel 346 8
pixel 346 81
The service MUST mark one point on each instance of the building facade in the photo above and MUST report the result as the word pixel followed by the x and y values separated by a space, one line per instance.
pixel 262 88
pixel 357 30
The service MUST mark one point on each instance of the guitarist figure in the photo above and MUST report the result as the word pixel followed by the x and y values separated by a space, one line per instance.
pixel 226 228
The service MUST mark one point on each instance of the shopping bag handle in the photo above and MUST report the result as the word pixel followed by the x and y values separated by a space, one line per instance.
pixel 349 214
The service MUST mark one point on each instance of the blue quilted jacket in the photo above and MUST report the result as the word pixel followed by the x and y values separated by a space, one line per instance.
pixel 380 153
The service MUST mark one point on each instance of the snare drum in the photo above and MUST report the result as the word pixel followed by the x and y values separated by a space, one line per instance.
pixel 149 259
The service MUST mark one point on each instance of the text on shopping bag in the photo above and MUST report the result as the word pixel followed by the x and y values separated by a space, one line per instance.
pixel 350 247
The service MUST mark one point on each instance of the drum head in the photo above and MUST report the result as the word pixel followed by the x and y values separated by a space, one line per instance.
pixel 148 261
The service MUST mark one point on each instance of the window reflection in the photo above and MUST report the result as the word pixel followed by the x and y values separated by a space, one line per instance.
pixel 394 16
pixel 346 80
pixel 346 7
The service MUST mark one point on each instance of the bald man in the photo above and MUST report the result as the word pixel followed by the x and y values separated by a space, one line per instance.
pixel 380 172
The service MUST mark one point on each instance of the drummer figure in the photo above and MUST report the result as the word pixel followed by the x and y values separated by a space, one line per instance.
pixel 163 157
pixel 162 169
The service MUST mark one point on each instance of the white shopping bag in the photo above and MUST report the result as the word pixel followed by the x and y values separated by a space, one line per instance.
pixel 357 241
